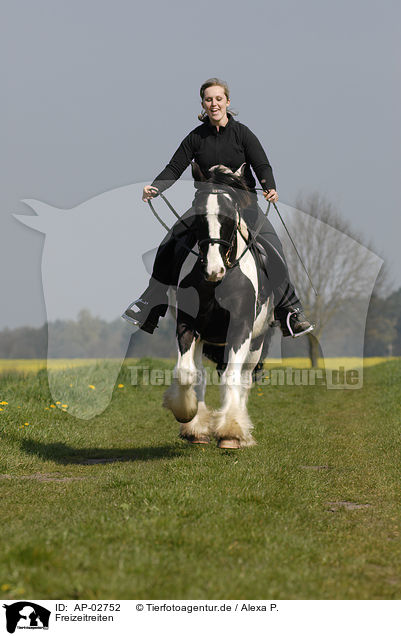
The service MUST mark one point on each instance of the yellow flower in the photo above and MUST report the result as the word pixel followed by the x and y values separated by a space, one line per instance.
pixel 91 386
pixel 58 402
pixel 120 386
pixel 1 409
pixel 26 423
pixel 4 402
pixel 47 408
pixel 5 587
pixel 65 406
pixel 52 406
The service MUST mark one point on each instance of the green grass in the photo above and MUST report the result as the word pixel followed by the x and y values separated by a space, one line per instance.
pixel 168 520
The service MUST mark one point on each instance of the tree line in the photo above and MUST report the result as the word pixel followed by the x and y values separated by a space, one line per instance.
pixel 91 337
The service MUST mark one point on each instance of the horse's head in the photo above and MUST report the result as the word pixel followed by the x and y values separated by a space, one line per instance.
pixel 218 204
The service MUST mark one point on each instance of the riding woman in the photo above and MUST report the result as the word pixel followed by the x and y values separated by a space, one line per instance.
pixel 219 140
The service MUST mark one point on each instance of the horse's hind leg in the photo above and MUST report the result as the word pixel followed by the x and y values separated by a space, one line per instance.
pixel 180 397
pixel 231 421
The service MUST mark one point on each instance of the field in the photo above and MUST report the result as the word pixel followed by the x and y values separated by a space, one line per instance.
pixel 119 507
pixel 35 365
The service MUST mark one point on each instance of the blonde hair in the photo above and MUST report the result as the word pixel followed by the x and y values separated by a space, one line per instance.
pixel 214 81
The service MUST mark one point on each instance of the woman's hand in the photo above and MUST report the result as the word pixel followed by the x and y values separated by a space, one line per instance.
pixel 149 192
pixel 271 196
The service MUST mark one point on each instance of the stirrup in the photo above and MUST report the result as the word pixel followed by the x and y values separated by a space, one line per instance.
pixel 290 330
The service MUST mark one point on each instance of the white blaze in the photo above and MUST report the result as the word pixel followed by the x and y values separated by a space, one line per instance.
pixel 215 268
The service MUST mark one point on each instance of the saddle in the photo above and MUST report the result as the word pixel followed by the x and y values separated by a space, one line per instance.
pixel 270 262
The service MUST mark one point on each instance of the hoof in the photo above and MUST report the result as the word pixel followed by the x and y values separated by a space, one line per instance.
pixel 229 443
pixel 191 439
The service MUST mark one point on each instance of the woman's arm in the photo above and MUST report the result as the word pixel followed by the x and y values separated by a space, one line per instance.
pixel 256 156
pixel 176 166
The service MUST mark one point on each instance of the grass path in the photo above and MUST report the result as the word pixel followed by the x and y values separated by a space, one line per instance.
pixel 118 507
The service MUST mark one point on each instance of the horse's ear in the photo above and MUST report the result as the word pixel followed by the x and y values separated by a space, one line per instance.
pixel 240 171
pixel 197 172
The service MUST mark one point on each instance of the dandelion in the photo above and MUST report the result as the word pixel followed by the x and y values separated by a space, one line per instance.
pixel 64 406
pixel 4 402
pixel 120 386
pixel 52 406
pixel 26 423
pixel 58 402
pixel 1 409
pixel 5 587
pixel 47 408
pixel 91 386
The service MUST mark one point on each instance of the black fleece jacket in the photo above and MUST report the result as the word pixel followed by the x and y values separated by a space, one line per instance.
pixel 231 145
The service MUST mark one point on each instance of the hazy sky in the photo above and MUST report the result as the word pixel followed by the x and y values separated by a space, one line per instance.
pixel 97 95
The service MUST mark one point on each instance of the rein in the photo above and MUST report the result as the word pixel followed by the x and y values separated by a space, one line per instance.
pixel 179 240
pixel 212 241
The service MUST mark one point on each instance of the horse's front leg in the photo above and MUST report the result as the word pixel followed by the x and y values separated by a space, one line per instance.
pixel 180 397
pixel 197 430
pixel 232 424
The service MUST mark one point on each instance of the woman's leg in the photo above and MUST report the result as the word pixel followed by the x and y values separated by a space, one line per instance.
pixel 288 307
pixel 152 304
pixel 178 241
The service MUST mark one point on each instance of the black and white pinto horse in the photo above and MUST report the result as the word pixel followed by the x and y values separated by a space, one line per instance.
pixel 224 306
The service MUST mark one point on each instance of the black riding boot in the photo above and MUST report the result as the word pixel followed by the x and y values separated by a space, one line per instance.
pixel 289 312
pixel 146 311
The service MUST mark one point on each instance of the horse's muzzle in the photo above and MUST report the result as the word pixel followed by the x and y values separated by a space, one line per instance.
pixel 215 277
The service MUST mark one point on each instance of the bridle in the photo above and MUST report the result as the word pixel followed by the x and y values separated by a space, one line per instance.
pixel 237 228
pixel 230 244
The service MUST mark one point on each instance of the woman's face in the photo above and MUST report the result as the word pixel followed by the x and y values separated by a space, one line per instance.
pixel 215 104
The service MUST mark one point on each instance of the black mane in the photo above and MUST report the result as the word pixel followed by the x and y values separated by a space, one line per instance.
pixel 219 176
